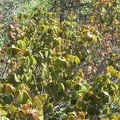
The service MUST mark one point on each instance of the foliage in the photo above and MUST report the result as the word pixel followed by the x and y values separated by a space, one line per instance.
pixel 9 10
pixel 81 8
pixel 62 70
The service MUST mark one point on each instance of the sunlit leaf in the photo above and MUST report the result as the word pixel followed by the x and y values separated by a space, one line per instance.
pixel 106 110
pixel 3 112
pixel 13 109
pixel 23 87
pixel 4 118
pixel 15 50
pixel 84 88
pixel 9 89
pixel 106 93
pixel 37 102
pixel 118 75
pixel 44 74
pixel 70 58
pixel 22 97
pixel 16 78
pixel 21 44
pixel 77 60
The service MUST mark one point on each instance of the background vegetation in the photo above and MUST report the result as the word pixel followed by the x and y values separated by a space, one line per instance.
pixel 60 60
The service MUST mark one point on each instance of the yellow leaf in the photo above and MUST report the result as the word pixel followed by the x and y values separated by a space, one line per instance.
pixel 118 75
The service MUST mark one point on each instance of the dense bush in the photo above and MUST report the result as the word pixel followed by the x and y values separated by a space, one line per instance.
pixel 9 10
pixel 62 70
pixel 81 8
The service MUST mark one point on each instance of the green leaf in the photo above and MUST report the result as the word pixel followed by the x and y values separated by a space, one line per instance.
pixel 22 97
pixel 49 106
pixel 8 99
pixel 44 74
pixel 106 93
pixel 111 70
pixel 75 94
pixel 81 105
pixel 15 50
pixel 9 89
pixel 106 110
pixel 41 117
pixel 26 97
pixel 1 88
pixel 84 88
pixel 23 87
pixel 70 58
pixel 46 54
pixel 45 28
pixel 27 52
pixel 42 98
pixel 27 78
pixel 72 115
pixel 28 62
pixel 21 44
pixel 12 109
pixel 16 78
pixel 118 75
pixel 114 86
pixel 79 93
pixel 77 60
pixel 62 59
pixel 57 41
pixel 37 102
pixel 4 118
pixel 69 84
pixel 33 61
pixel 61 87
pixel 3 112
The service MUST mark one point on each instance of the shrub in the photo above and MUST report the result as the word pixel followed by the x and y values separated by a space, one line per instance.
pixel 56 71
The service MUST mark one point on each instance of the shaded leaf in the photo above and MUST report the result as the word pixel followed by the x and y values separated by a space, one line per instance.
pixel 61 87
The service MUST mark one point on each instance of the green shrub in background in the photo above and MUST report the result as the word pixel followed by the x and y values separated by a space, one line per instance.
pixel 60 71
pixel 80 8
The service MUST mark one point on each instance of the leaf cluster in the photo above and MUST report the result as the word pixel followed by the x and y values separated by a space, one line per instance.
pixel 61 70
